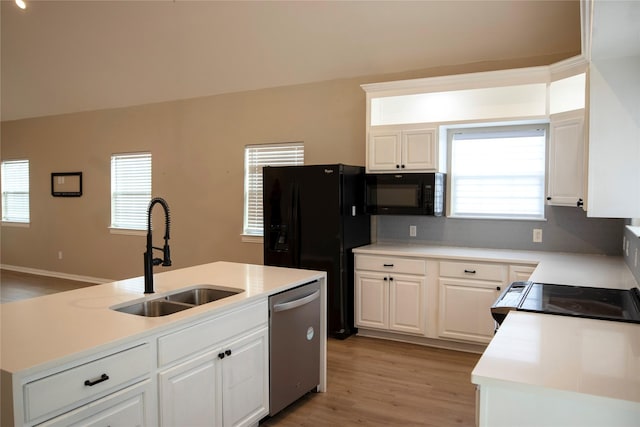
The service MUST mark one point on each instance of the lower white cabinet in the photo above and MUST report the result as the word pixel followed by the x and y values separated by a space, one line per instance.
pixel 464 311
pixel 225 384
pixel 467 290
pixel 127 408
pixel 390 300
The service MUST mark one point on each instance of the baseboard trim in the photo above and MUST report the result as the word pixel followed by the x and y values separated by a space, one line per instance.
pixel 56 274
pixel 429 342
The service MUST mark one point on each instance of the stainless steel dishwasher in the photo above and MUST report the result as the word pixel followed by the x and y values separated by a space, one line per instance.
pixel 294 344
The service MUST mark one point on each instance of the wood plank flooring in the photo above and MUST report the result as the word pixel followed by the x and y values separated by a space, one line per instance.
pixel 373 382
pixel 370 382
pixel 16 286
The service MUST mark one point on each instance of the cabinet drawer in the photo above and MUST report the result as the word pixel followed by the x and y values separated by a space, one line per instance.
pixel 391 264
pixel 203 335
pixel 83 382
pixel 471 270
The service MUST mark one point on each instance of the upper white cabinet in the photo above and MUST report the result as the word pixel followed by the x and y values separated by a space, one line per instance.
pixel 395 149
pixel 614 108
pixel 566 183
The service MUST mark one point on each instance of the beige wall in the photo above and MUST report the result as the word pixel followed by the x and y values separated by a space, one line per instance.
pixel 197 147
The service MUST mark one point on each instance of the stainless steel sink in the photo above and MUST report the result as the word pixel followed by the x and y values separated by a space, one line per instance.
pixel 199 296
pixel 181 300
pixel 153 308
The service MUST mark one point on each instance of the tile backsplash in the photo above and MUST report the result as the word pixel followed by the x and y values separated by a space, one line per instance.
pixel 566 229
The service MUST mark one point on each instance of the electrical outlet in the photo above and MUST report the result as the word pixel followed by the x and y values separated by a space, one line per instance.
pixel 59 254
pixel 413 231
pixel 537 235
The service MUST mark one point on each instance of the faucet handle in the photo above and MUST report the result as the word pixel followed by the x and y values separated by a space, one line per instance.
pixel 157 261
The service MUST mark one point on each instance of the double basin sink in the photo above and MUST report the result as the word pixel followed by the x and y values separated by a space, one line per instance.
pixel 177 301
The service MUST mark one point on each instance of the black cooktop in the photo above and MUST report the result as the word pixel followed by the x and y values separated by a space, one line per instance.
pixel 598 303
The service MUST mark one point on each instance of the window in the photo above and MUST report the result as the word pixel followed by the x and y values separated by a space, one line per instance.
pixel 255 157
pixel 15 191
pixel 498 172
pixel 130 190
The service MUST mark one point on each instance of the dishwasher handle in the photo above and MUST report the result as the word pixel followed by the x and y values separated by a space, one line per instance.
pixel 296 303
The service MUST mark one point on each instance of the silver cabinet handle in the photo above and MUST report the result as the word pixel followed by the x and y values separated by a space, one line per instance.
pixel 296 303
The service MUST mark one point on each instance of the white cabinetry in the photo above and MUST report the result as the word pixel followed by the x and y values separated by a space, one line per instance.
pixel 221 376
pixel 106 388
pixel 566 159
pixel 128 407
pixel 394 149
pixel 614 113
pixel 467 291
pixel 390 293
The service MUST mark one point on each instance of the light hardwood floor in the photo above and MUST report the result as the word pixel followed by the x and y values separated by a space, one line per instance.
pixel 16 286
pixel 370 382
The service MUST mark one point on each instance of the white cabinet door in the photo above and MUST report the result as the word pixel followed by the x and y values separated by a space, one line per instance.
pixel 188 393
pixel 465 310
pixel 414 150
pixel 419 150
pixel 406 304
pixel 384 151
pixel 566 159
pixel 130 407
pixel 372 300
pixel 614 136
pixel 245 380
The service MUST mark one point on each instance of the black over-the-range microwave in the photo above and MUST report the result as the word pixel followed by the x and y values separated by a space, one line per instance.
pixel 405 194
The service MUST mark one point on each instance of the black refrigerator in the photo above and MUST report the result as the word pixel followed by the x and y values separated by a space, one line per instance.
pixel 313 218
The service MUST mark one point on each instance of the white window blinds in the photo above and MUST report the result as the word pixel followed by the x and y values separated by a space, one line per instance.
pixel 15 191
pixel 256 157
pixel 130 190
pixel 498 174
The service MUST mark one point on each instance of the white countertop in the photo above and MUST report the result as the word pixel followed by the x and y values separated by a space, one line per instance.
pixel 595 357
pixel 552 267
pixel 37 331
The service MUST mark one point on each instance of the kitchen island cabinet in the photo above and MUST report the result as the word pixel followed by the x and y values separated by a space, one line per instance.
pixel 59 368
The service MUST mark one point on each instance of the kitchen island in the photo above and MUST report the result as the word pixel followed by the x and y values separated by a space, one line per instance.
pixel 69 356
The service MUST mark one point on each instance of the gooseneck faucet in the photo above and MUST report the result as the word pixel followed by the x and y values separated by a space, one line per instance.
pixel 149 260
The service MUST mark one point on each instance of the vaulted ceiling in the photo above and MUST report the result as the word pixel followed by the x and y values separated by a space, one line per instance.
pixel 69 56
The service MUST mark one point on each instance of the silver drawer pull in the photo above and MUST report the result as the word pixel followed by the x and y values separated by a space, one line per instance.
pixel 470 271
pixel 102 378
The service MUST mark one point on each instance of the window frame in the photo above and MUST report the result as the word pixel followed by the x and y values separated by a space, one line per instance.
pixel 16 221
pixel 118 224
pixel 497 128
pixel 294 156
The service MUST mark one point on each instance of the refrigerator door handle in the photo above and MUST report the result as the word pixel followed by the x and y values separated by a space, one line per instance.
pixel 295 224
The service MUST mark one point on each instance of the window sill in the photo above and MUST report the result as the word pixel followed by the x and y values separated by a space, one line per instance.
pixel 127 231
pixel 251 238
pixel 499 218
pixel 16 224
